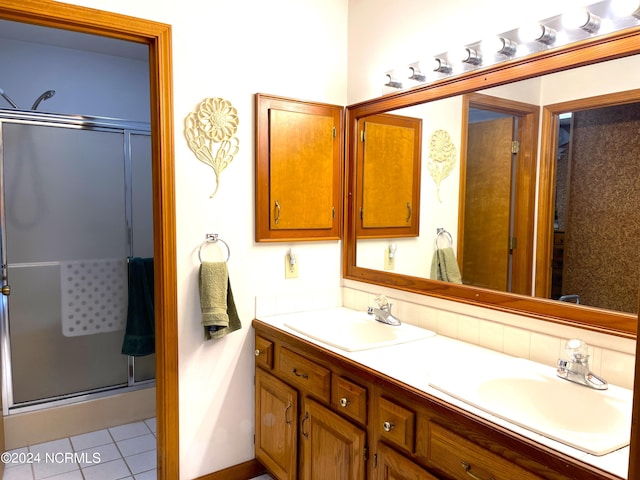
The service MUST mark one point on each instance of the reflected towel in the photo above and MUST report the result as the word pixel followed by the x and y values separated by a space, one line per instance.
pixel 219 314
pixel 139 337
pixel 444 266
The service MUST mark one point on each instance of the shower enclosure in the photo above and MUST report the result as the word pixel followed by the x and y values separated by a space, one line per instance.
pixel 75 204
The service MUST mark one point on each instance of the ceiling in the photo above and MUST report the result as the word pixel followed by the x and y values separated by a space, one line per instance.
pixel 77 41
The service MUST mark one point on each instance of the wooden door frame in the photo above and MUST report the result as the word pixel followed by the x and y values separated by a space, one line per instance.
pixel 158 37
pixel 524 214
pixel 546 196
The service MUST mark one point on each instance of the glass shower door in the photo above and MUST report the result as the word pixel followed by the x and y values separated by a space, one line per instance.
pixel 67 241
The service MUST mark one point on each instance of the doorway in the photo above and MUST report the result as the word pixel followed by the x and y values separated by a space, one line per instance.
pixel 497 191
pixel 158 38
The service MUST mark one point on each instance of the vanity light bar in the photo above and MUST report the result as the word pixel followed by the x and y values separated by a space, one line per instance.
pixel 559 30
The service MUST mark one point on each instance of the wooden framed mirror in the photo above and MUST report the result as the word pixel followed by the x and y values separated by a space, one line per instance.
pixel 577 62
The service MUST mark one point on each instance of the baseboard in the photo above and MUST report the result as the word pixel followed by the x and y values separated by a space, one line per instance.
pixel 242 471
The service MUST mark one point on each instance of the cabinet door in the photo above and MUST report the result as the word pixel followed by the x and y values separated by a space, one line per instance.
pixel 276 428
pixel 393 466
pixel 332 447
pixel 388 176
pixel 298 169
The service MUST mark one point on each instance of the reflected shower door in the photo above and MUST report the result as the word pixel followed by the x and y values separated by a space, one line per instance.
pixel 67 241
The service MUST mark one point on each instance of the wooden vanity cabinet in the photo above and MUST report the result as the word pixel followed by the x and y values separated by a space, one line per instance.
pixel 317 411
pixel 301 429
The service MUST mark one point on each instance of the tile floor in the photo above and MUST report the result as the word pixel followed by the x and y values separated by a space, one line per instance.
pixel 126 452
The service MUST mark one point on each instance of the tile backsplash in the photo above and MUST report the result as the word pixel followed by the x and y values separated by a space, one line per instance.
pixel 612 357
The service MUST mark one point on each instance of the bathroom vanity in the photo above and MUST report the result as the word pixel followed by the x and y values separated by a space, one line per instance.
pixel 371 413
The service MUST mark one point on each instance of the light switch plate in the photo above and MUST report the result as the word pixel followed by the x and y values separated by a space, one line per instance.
pixel 290 271
pixel 389 263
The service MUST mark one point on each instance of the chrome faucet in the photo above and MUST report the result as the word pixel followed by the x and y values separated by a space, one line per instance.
pixel 382 311
pixel 576 369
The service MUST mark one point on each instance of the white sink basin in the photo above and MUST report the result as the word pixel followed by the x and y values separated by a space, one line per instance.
pixel 351 330
pixel 530 395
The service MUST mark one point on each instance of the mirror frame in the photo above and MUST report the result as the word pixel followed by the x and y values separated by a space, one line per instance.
pixel 594 50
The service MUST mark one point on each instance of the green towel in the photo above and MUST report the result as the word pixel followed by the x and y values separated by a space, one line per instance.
pixel 139 338
pixel 219 314
pixel 444 266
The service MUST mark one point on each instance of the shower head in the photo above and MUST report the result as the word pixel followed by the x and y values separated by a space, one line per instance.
pixel 45 96
pixel 8 99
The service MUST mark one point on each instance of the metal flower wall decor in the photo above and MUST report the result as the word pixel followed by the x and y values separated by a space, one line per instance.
pixel 210 134
pixel 442 157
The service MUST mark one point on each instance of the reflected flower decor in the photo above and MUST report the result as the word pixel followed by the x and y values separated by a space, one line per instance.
pixel 210 134
pixel 442 157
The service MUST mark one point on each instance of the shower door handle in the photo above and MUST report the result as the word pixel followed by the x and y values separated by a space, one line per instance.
pixel 6 290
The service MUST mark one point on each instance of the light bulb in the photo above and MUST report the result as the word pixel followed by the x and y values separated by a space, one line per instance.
pixel 500 45
pixel 467 55
pixel 389 81
pixel 441 65
pixel 536 32
pixel 581 18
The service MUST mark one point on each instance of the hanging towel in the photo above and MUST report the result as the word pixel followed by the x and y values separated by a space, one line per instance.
pixel 139 337
pixel 444 266
pixel 219 314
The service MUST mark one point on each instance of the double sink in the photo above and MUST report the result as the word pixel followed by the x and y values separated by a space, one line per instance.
pixel 522 392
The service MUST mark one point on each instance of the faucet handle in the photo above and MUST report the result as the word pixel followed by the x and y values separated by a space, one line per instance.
pixel 577 350
pixel 381 301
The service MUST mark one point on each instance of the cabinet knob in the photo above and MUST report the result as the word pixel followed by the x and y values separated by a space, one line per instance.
pixel 387 426
pixel 258 352
pixel 344 402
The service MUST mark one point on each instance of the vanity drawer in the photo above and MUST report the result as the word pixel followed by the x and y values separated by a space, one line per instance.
pixel 463 459
pixel 349 398
pixel 396 424
pixel 304 373
pixel 264 352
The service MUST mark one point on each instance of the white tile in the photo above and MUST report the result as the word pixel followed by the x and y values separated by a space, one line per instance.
pixel 114 470
pixel 72 475
pixel 148 475
pixel 53 464
pixel 517 342
pixel 492 335
pixel 545 349
pixel 99 454
pixel 447 324
pixel 18 472
pixel 17 457
pixel 91 439
pixel 53 458
pixel 142 462
pixel 129 430
pixel 134 445
pixel 617 368
pixel 56 446
pixel 151 423
pixel 468 329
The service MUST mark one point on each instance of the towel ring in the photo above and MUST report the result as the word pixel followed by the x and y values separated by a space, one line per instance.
pixel 441 231
pixel 213 238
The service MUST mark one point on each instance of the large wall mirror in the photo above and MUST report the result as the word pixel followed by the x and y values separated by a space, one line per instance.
pixel 541 211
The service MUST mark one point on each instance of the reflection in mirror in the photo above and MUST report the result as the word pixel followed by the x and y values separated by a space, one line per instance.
pixel 595 214
pixel 460 206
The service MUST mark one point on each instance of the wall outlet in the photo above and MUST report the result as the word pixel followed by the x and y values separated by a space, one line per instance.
pixel 389 263
pixel 290 265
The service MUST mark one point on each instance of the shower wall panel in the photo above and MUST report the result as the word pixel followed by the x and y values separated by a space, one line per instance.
pixel 64 202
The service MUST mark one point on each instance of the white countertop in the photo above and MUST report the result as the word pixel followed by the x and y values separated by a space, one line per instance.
pixel 414 363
